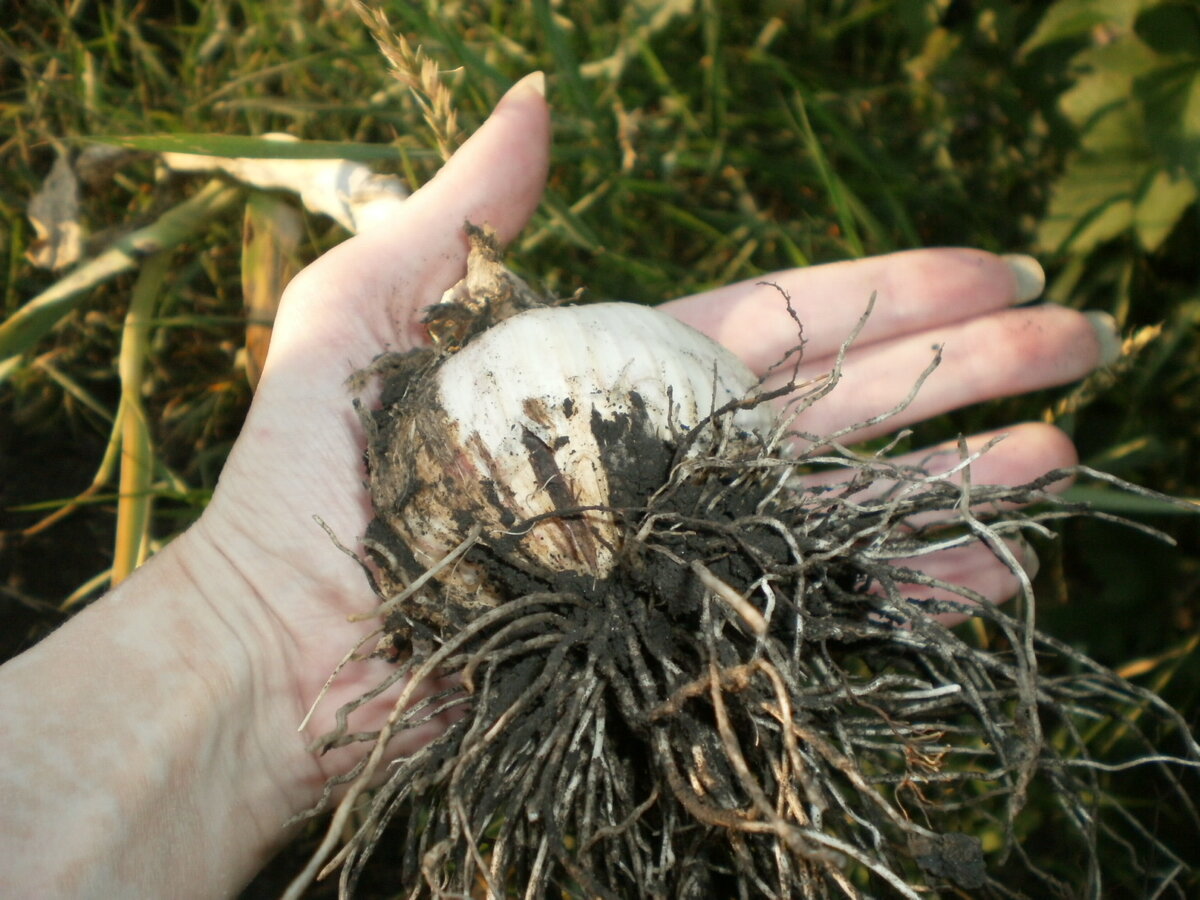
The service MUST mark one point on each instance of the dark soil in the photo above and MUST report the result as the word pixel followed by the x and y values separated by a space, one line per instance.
pixel 749 704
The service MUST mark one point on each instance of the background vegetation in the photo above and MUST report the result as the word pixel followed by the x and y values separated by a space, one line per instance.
pixel 697 142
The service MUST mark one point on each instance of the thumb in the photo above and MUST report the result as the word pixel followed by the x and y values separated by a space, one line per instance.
pixel 498 175
pixel 377 281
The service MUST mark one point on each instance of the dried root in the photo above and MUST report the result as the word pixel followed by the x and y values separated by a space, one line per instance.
pixel 753 705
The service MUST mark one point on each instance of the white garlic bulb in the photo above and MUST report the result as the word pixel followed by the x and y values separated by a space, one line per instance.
pixel 536 428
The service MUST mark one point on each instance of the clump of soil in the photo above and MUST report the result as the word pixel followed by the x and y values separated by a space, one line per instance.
pixel 751 704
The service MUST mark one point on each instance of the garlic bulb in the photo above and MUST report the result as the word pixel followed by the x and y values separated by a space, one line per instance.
pixel 643 645
pixel 530 434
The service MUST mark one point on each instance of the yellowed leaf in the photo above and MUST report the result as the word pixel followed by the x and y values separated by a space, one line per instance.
pixel 271 235
pixel 347 191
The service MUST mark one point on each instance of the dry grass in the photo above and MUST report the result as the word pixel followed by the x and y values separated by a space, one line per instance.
pixel 695 144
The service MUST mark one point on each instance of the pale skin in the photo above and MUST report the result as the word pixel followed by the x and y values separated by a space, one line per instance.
pixel 150 747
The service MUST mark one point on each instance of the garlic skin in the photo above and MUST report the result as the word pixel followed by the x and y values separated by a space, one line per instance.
pixel 551 410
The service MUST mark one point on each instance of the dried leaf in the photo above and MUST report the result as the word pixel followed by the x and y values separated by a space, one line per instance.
pixel 54 212
pixel 349 192
pixel 270 239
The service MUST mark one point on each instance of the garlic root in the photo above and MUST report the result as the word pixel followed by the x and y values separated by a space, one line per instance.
pixel 687 676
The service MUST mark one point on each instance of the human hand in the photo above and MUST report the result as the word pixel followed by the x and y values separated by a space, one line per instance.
pixel 958 300
pixel 300 453
pixel 196 672
pixel 151 743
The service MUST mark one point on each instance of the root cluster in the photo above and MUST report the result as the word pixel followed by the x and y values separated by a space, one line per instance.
pixel 755 704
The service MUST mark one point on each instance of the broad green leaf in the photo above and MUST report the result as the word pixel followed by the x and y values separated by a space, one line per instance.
pixel 241 146
pixel 1160 207
pixel 1170 99
pixel 1069 19
pixel 1105 78
pixel 1092 202
pixel 1171 28
pixel 1116 133
pixel 1133 109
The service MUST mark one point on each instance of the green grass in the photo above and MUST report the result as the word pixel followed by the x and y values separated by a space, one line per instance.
pixel 696 143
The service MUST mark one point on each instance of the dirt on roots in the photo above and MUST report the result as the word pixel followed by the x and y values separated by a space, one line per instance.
pixel 754 703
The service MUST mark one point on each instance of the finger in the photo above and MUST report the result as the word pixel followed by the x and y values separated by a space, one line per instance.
pixel 914 290
pixel 1016 456
pixel 974 568
pixel 1021 454
pixel 366 293
pixel 1003 354
pixel 1025 453
pixel 356 301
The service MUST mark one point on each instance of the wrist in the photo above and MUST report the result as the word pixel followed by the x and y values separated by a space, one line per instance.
pixel 243 659
pixel 150 742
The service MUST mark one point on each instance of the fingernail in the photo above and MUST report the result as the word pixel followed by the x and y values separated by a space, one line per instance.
pixel 535 81
pixel 1107 335
pixel 1029 276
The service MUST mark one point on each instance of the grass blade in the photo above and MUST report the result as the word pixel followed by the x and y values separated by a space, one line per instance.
pixel 234 146
pixel 137 451
pixel 28 324
pixel 838 195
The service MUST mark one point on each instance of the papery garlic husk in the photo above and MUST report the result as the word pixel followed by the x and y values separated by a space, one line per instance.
pixel 531 434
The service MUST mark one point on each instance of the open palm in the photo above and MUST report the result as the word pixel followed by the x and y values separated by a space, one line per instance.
pixel 300 453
